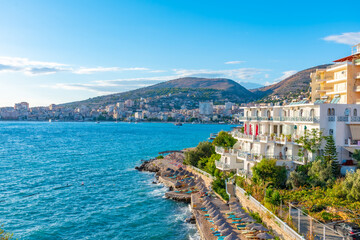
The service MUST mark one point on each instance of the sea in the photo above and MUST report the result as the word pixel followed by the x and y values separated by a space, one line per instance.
pixel 76 180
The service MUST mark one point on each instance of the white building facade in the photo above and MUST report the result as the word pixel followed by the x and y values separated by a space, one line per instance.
pixel 271 132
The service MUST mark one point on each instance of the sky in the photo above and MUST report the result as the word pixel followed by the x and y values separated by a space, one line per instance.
pixel 63 51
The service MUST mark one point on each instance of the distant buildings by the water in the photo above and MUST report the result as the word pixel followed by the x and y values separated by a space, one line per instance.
pixel 127 110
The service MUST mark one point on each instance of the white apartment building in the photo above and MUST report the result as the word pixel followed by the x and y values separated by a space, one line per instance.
pixel 271 131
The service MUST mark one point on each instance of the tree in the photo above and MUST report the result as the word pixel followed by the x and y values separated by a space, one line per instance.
pixel 224 139
pixel 356 156
pixel 311 142
pixel 321 173
pixel 267 171
pixel 351 186
pixel 330 155
pixel 297 179
pixel 203 150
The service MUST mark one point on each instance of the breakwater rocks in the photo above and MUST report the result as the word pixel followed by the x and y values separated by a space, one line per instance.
pixel 178 197
pixel 148 166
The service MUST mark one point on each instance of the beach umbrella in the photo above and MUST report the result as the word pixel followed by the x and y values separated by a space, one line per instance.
pixel 264 236
pixel 224 226
pixel 181 169
pixel 214 213
pixel 226 232
pixel 205 202
pixel 232 236
pixel 206 198
pixel 248 219
pixel 251 225
pixel 178 184
pixel 191 184
pixel 217 218
pixel 260 228
pixel 220 222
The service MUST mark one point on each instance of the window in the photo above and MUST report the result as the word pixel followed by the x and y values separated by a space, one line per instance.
pixel 355 112
pixel 333 112
pixel 301 113
pixel 312 113
pixel 331 132
pixel 329 112
pixel 347 112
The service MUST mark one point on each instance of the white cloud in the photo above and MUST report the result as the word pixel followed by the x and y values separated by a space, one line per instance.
pixel 29 67
pixel 349 38
pixel 240 73
pixel 15 64
pixel 285 75
pixel 83 70
pixel 269 83
pixel 234 62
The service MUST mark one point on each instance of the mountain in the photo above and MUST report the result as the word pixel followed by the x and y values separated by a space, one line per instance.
pixel 299 82
pixel 188 91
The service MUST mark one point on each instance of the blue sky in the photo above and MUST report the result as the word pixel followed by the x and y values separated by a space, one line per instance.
pixel 61 51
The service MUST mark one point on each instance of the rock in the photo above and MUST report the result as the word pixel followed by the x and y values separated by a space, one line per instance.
pixel 148 166
pixel 178 197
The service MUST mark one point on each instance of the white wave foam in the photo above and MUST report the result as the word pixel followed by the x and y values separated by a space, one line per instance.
pixel 159 191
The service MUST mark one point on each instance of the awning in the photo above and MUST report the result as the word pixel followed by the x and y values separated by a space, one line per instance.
pixel 348 58
pixel 355 131
pixel 352 149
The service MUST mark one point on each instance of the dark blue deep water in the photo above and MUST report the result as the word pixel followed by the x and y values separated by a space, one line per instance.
pixel 77 180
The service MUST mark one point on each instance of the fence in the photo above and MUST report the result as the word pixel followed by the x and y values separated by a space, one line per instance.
pixel 201 171
pixel 310 227
pixel 277 220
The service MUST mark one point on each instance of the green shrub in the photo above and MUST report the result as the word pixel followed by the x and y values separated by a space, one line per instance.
pixel 224 139
pixel 266 171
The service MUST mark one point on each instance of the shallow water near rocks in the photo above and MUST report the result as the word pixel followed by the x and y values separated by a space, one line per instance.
pixel 77 180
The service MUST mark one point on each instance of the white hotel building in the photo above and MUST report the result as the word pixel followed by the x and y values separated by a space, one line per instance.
pixel 271 131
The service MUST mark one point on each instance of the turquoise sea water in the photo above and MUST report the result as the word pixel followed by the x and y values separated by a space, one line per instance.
pixel 77 180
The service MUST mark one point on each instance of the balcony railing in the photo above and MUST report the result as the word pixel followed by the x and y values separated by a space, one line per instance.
pixel 342 118
pixel 288 119
pixel 331 118
pixel 222 165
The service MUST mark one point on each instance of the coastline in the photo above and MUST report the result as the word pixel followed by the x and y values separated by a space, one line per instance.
pixel 197 193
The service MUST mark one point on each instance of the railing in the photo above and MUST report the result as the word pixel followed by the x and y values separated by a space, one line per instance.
pixel 222 165
pixel 336 65
pixel 302 119
pixel 201 171
pixel 289 119
pixel 342 118
pixel 278 221
pixel 331 118
pixel 221 150
pixel 243 172
pixel 355 119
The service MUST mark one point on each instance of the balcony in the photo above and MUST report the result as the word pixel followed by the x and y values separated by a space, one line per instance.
pixel 337 66
pixel 222 166
pixel 280 119
pixel 221 150
pixel 302 119
pixel 244 173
